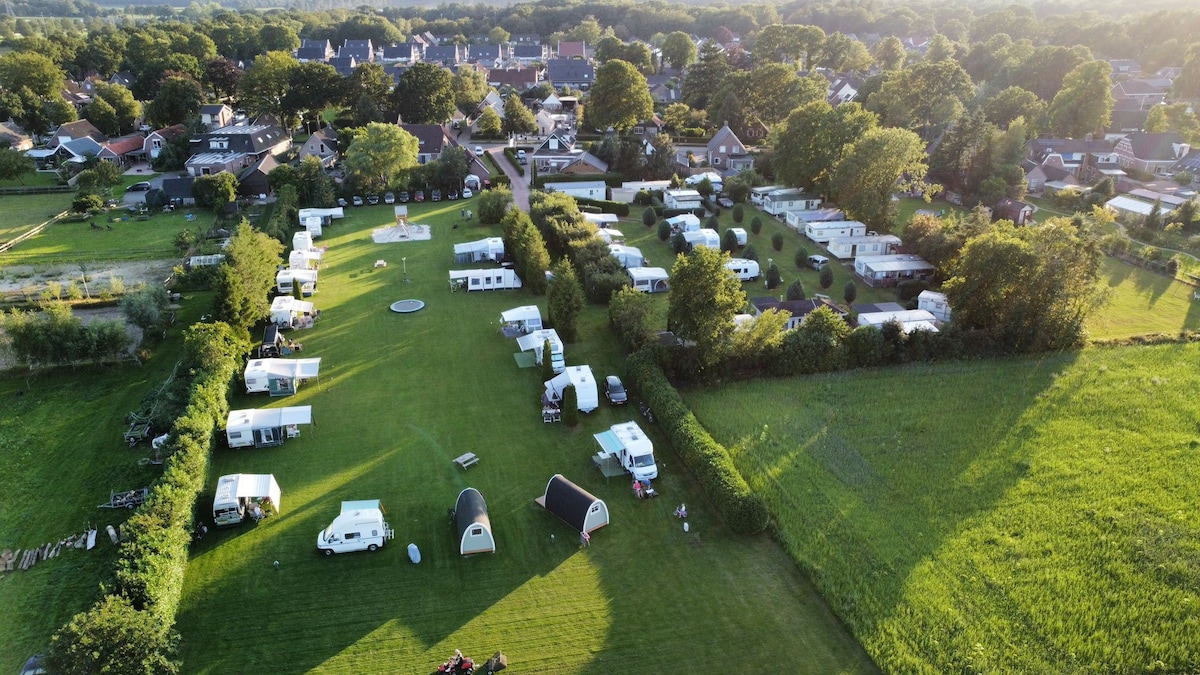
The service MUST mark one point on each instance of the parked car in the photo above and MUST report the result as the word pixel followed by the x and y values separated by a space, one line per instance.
pixel 436 195
pixel 373 200
pixel 479 151
pixel 34 665
pixel 357 201
pixel 467 194
pixel 139 187
pixel 614 390
pixel 452 195
pixel 487 184
pixel 389 198
pixel 419 196
pixel 342 201
pixel 404 197
pixel 725 202
pixel 521 159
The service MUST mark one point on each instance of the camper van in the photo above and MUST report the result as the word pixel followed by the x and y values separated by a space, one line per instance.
pixel 245 494
pixel 359 527
pixel 630 445
pixel 746 270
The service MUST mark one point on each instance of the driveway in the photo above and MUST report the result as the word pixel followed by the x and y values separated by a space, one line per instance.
pixel 520 184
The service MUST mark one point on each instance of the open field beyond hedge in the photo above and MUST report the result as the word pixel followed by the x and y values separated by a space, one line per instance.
pixel 399 397
pixel 1032 515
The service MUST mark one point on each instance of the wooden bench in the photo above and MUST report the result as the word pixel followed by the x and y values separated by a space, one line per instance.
pixel 466 460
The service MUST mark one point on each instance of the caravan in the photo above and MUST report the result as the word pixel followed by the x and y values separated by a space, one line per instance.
pixel 242 494
pixel 746 270
pixel 520 321
pixel 484 250
pixel 286 280
pixel 265 428
pixel 586 393
pixel 288 312
pixel 648 279
pixel 703 237
pixel 627 255
pixel 536 342
pixel 684 222
pixel 304 260
pixel 280 377
pixel 359 527
pixel 484 280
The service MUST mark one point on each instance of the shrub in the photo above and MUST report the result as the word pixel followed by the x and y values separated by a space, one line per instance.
pixel 648 216
pixel 709 461
pixel 713 223
pixel 547 361
pixel 678 243
pixel 850 292
pixel 605 206
pixel 664 230
pixel 643 198
pixel 729 241
pixel 750 253
pixel 493 204
pixel 865 347
pixel 570 406
pixel 795 291
pixel 801 257
pixel 911 288
pixel 825 277
pixel 511 154
pixel 86 202
pixel 777 241
pixel 739 212
pixel 756 224
pixel 773 277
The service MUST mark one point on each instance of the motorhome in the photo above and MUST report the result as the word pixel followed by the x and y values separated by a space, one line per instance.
pixel 245 494
pixel 630 445
pixel 746 270
pixel 359 527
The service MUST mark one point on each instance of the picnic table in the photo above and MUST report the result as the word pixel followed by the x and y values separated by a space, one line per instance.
pixel 466 460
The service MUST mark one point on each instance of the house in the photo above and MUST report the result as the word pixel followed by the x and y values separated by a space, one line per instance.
pixel 570 73
pixel 490 249
pixel 445 55
pixel 265 427
pixel 432 141
pixel 123 78
pixel 517 78
pixel 252 181
pixel 1124 68
pixel 569 50
pixel 796 309
pixel 1069 154
pixel 75 94
pixel 524 39
pixel 755 130
pixel 279 377
pixel 235 147
pixel 799 220
pixel 322 145
pixel 14 137
pixel 586 164
pixel 935 303
pixel 1153 152
pixel 487 55
pixel 585 189
pixel 73 131
pixel 556 151
pixel 1130 207
pixel 890 270
pixel 344 65
pixel 216 115
pixel 1018 212
pixel 727 153
pixel 314 50
pixel 362 51
pixel 405 53
pixel 1146 94
pixel 77 151
pixel 682 199
pixel 123 151
pixel 666 92
pixel 845 248
pixel 158 139
pixel 790 199
pixel 909 320
pixel 842 90
pixel 528 54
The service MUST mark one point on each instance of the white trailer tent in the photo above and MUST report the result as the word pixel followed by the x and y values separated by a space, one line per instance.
pixel 302 241
pixel 586 395
pixel 890 270
pixel 628 255
pixel 521 320
pixel 746 270
pixel 489 250
pixel 601 220
pixel 263 428
pixel 239 492
pixel 935 303
pixel 575 506
pixel 909 320
pixel 279 377
pixel 474 526
pixel 649 279
pixel 871 244
pixel 286 280
pixel 703 237
pixel 684 222
pixel 287 310
pixel 822 231
pixel 304 260
pixel 610 236
pixel 536 342
pixel 484 280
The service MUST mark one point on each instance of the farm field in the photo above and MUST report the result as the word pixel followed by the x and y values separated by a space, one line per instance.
pixel 398 398
pixel 61 436
pixel 1141 302
pixel 1032 515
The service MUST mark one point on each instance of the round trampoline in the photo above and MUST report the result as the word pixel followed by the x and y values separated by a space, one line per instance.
pixel 408 306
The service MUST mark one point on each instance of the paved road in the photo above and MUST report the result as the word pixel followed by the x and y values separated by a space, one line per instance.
pixel 520 184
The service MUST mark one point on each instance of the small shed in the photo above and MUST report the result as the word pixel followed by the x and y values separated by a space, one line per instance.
pixel 490 249
pixel 474 526
pixel 575 506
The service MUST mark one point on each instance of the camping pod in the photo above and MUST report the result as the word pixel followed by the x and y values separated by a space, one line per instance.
pixel 474 527
pixel 574 505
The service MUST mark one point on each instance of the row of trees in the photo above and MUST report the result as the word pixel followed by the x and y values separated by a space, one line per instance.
pixel 567 234
pixel 55 336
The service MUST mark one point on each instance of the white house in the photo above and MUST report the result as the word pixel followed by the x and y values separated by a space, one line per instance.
pixel 822 232
pixel 791 199
pixel 649 279
pixel 935 303
pixel 909 320
pixel 682 199
pixel 889 270
pixel 265 427
pixel 279 377
pixel 628 255
pixel 684 222
pixel 586 395
pixel 871 244
pixel 484 280
pixel 489 249
pixel 703 237
pixel 591 189
pixel 287 310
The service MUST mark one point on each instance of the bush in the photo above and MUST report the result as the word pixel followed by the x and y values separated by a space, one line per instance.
pixel 664 230
pixel 709 461
pixel 865 347
pixel 729 241
pixel 648 217
pixel 630 315
pixel 605 206
pixel 86 202
pixel 795 291
pixel 825 277
pixel 678 243
pixel 750 253
pixel 493 204
pixel 643 198
pixel 777 241
pixel 713 223
pixel 756 224
pixel 570 406
pixel 739 212
pixel 773 277
pixel 850 292
pixel 911 288
pixel 511 154
pixel 113 637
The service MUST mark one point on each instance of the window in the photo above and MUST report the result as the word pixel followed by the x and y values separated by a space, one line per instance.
pixel 595 508
pixel 476 531
pixel 351 535
pixel 235 434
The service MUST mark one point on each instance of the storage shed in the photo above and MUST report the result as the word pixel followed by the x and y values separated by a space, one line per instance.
pixel 474 526
pixel 575 506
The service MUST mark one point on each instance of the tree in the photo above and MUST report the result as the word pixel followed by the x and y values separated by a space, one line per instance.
pixel 493 204
pixel 102 116
pixel 277 38
pixel 777 241
pixel 29 80
pixel 795 291
pixel 739 213
pixel 890 53
pixel 489 123
pixel 178 100
pixel 570 406
pixel 648 216
pixel 679 244
pixel 825 277
pixel 729 241
pixel 498 36
pixel 246 278
pixel 144 306
pixel 703 299
pixel 631 316
pixel 424 95
pixel 664 230
pixel 850 292
pixel 368 88
pixel 222 76
pixel 619 97
pixel 925 97
pixel 705 76
pixel 311 88
pixel 517 118
pixel 100 177
pixel 809 145
pixel 883 160
pixel 215 190
pixel 14 164
pixel 1012 103
pixel 86 202
pixel 774 278
pixel 564 297
pixel 470 86
pixel 547 361
pixel 756 224
pixel 264 86
pixel 380 154
pixel 678 50
pixel 1084 104
pixel 843 54
pixel 125 108
pixel 790 43
pixel 113 637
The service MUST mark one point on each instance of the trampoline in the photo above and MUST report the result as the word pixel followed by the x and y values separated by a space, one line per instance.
pixel 408 306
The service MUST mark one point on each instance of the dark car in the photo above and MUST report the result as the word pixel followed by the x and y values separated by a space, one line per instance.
pixel 419 196
pixel 389 198
pixel 725 202
pixel 436 195
pixel 139 187
pixel 342 201
pixel 34 666
pixel 404 197
pixel 614 391
pixel 373 200
pixel 452 195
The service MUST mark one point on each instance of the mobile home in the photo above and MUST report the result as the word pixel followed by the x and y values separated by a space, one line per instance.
pixel 586 394
pixel 302 241
pixel 484 280
pixel 359 527
pixel 484 250
pixel 279 377
pixel 758 194
pixel 262 428
pixel 536 343
pixel 304 260
pixel 798 219
pixel 313 226
pixel 649 279
pixel 792 199
pixel 746 270
pixel 703 237
pixel 890 270
pixel 286 280
pixel 628 255
pixel 822 231
pixel 871 244
pixel 909 320
pixel 935 303
pixel 601 220
pixel 740 234
pixel 242 494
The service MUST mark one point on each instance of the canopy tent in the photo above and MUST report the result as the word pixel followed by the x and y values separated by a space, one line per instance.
pixel 474 526
pixel 237 491
pixel 575 506
pixel 280 377
pixel 703 237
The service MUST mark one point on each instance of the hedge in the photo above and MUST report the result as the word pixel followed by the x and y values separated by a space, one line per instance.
pixel 671 213
pixel 512 159
pixel 708 460
pixel 606 206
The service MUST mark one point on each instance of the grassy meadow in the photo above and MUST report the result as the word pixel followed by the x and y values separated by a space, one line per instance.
pixel 1033 515
pixel 22 212
pixel 399 397
pixel 1141 302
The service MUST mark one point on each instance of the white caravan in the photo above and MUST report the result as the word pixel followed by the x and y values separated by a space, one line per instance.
pixel 745 269
pixel 524 319
pixel 586 395
pixel 245 494
pixel 359 527
pixel 628 255
pixel 286 280
pixel 648 279
pixel 536 342
pixel 703 237
pixel 261 428
pixel 280 377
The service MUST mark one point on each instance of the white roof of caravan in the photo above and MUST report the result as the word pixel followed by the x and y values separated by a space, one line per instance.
pixel 820 215
pixel 703 234
pixel 575 185
pixel 288 303
pixel 247 485
pixel 646 273
pixel 523 313
pixel 684 218
pixel 600 217
pixel 819 224
pixel 894 263
pixel 766 189
pixel 308 254
pixel 489 244
pixel 906 316
pixel 618 249
pixel 610 235
pixel 867 239
pixel 269 418
pixel 302 240
pixel 301 368
pixel 932 296
pixel 335 212
pixel 787 194
pixel 646 184
pixel 537 338
pixel 297 275
pixel 682 193
pixel 714 178
pixel 579 376
pixel 740 262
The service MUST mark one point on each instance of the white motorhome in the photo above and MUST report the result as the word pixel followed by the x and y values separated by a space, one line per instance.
pixel 630 445
pixel 746 270
pixel 703 237
pixel 280 377
pixel 648 279
pixel 261 428
pixel 359 527
pixel 245 494
pixel 586 393
pixel 536 342
pixel 302 241
pixel 628 255
pixel 286 280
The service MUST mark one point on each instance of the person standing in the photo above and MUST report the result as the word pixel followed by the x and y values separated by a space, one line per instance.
pixel 585 539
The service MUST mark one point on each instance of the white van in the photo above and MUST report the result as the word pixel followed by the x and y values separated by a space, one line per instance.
pixel 817 261
pixel 745 269
pixel 359 527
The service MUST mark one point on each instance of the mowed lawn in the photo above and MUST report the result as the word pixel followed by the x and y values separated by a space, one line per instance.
pixel 399 397
pixel 1033 515
pixel 19 213
pixel 128 239
pixel 1141 302
pixel 61 452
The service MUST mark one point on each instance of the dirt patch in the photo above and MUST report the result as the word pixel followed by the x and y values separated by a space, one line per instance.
pixel 33 279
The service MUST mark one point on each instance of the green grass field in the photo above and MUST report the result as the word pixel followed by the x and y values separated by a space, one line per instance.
pixel 1029 515
pixel 1141 302
pixel 21 212
pixel 399 397
pixel 129 239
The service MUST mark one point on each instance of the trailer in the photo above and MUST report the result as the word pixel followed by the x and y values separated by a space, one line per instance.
pixel 484 280
pixel 745 269
pixel 245 494
pixel 490 249
pixel 264 428
pixel 286 281
pixel 126 499
pixel 304 260
pixel 520 321
pixel 359 527
pixel 649 279
pixel 587 395
pixel 822 231
pixel 279 377
pixel 703 237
